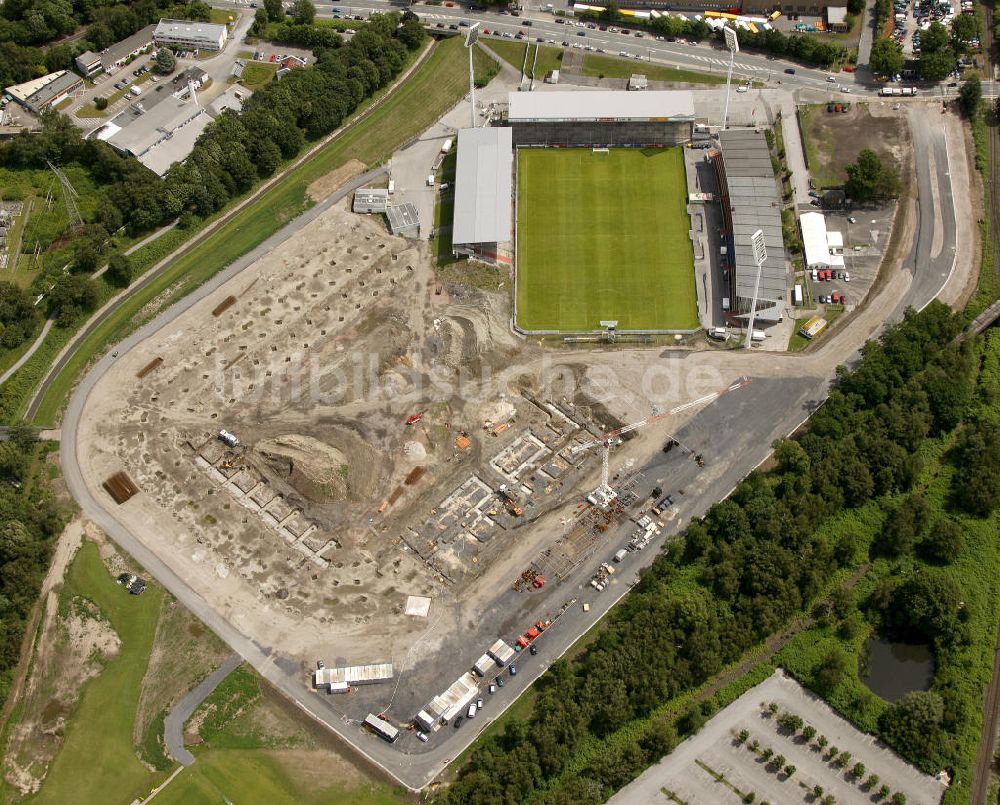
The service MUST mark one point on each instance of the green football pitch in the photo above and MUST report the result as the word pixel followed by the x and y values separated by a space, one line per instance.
pixel 603 236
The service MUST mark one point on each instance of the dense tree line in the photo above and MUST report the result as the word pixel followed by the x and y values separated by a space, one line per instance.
pixel 29 523
pixel 757 559
pixel 18 315
pixel 26 25
pixel 870 181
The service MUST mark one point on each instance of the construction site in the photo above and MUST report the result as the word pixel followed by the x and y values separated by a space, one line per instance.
pixel 359 466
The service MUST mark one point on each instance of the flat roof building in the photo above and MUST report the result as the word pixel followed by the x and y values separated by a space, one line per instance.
pixel 403 220
pixel 368 200
pixel 193 35
pixel 161 136
pixel 233 98
pixel 750 201
pixel 601 118
pixel 481 226
pixel 43 93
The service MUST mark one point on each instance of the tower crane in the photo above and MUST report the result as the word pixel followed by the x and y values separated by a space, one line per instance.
pixel 604 494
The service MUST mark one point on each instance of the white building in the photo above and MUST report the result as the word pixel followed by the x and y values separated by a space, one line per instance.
pixel 191 35
pixel 823 249
pixel 43 93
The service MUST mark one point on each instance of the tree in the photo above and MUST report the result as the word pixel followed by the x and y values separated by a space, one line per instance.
pixel 72 296
pixel 86 254
pixel 260 21
pixel 964 29
pixel 831 671
pixel 789 770
pixel 970 96
pixel 275 10
pixel 976 485
pixel 790 722
pixel 809 732
pixel 18 315
pixel 886 57
pixel 101 103
pixel 913 726
pixel 871 782
pixel 858 771
pixel 868 180
pixel 898 798
pixel 611 12
pixel 883 792
pixel 164 62
pixel 119 270
pixel 198 10
pixel 303 12
pixel 411 33
pixel 943 541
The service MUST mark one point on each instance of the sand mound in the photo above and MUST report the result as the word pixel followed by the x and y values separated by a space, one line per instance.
pixel 319 471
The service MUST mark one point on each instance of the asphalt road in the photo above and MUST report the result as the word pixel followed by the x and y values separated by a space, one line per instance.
pixel 173 724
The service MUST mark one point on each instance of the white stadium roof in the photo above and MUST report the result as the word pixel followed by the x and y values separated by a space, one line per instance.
pixel 483 186
pixel 610 105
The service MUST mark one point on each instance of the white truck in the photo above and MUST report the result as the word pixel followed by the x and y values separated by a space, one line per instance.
pixel 229 439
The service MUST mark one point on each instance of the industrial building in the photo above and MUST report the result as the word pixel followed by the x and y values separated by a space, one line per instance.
pixel 823 248
pixel 750 201
pixel 605 118
pixel 403 220
pixel 191 35
pixel 120 53
pixel 43 93
pixel 158 136
pixel 369 200
pixel 481 226
pixel 232 99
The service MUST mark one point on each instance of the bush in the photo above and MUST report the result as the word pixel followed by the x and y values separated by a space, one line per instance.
pixel 809 732
pixel 790 770
pixel 790 722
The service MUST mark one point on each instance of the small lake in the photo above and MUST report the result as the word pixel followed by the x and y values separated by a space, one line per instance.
pixel 894 669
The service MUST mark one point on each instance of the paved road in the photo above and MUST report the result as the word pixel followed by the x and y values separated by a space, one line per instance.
pixel 173 724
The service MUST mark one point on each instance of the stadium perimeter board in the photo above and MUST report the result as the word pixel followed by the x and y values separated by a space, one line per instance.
pixel 603 235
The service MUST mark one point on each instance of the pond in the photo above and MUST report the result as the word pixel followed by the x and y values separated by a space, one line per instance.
pixel 894 669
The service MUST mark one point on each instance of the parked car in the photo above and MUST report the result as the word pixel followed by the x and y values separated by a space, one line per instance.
pixel 458 722
pixel 499 681
pixel 513 669
pixel 790 70
pixel 533 650
pixel 847 276
pixel 422 736
pixel 851 219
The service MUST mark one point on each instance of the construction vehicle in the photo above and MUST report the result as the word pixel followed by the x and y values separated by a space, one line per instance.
pixel 604 494
pixel 510 501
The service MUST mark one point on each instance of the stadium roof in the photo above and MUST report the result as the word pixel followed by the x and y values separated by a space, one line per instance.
pixel 601 105
pixel 755 204
pixel 483 186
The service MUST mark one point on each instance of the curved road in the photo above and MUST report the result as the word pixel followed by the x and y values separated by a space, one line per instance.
pixel 173 724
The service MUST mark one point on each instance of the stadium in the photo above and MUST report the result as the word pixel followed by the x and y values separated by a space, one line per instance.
pixel 584 194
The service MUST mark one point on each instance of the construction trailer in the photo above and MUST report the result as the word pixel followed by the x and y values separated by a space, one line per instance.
pixel 484 665
pixel 340 680
pixel 381 727
pixel 501 652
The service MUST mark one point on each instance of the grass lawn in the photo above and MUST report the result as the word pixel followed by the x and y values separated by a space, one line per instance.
pixel 434 88
pixel 611 67
pixel 259 777
pixel 222 17
pixel 511 51
pixel 98 755
pixel 604 236
pixel 256 74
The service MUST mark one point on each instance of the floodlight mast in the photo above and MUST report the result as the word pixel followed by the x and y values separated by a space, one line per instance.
pixel 733 43
pixel 604 494
pixel 759 256
pixel 471 37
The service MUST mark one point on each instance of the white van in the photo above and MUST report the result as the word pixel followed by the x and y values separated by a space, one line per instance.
pixel 430 180
pixel 725 303
pixel 758 335
pixel 718 333
pixel 471 712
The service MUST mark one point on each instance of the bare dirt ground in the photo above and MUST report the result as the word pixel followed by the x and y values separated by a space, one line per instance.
pixel 837 141
pixel 325 185
pixel 70 649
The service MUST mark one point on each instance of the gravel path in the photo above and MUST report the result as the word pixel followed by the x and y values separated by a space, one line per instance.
pixel 173 725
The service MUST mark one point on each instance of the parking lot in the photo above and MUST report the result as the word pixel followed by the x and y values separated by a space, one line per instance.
pixel 735 756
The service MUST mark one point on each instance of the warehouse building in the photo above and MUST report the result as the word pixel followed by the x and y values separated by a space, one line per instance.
pixel 191 35
pixel 404 220
pixel 603 119
pixel 750 201
pixel 481 227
